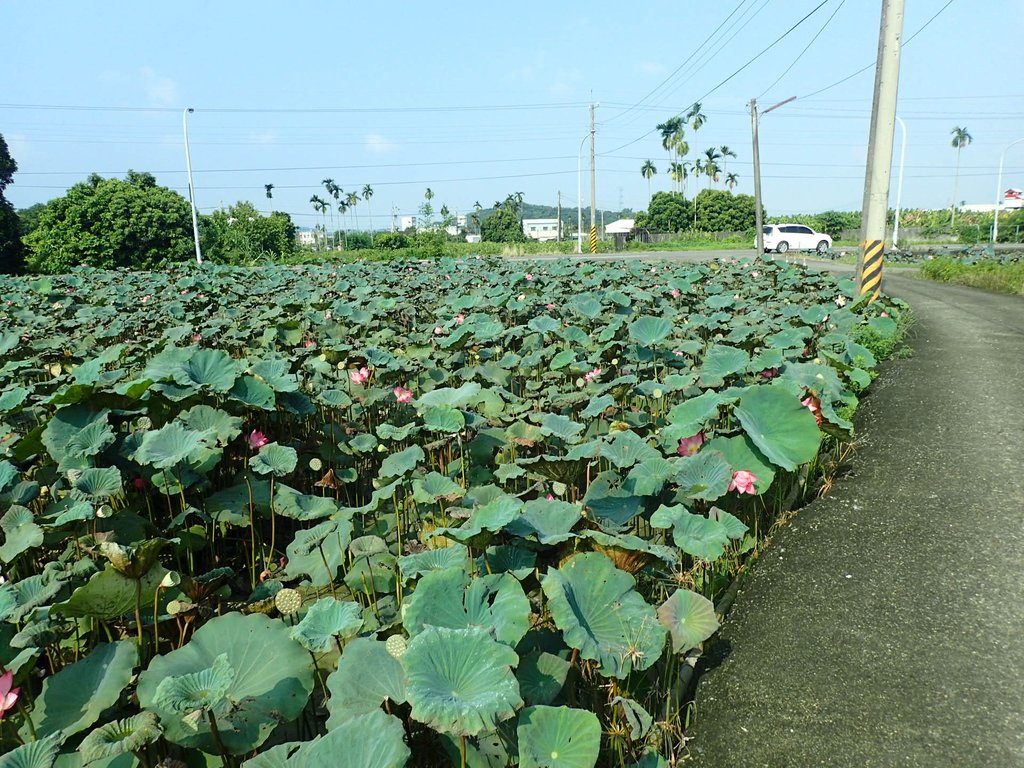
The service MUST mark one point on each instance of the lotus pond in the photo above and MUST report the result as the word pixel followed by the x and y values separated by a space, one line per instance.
pixel 464 512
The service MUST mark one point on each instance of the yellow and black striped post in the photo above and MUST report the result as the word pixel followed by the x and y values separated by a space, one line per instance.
pixel 593 239
pixel 870 280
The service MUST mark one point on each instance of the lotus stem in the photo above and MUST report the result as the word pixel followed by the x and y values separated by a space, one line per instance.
pixel 138 614
pixel 215 732
pixel 462 750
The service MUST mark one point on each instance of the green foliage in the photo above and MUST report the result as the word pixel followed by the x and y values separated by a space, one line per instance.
pixel 391 241
pixel 429 244
pixel 721 211
pixel 242 235
pixel 989 274
pixel 110 223
pixel 503 226
pixel 12 252
pixel 834 222
pixel 667 212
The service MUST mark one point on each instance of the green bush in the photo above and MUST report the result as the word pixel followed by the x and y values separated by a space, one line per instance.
pixel 391 241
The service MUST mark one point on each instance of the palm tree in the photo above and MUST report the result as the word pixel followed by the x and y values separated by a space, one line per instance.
pixel 731 180
pixel 672 137
pixel 270 190
pixel 726 153
pixel 961 138
pixel 647 170
pixel 367 194
pixel 696 117
pixel 711 168
pixel 320 205
pixel 343 209
pixel 333 190
pixel 352 198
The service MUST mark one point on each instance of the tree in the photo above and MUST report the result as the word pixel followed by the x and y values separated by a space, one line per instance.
pixel 352 199
pixel 668 212
pixel 711 167
pixel 503 226
pixel 725 153
pixel 110 223
pixel 696 117
pixel 241 234
pixel 320 206
pixel 270 191
pixel 961 138
pixel 731 180
pixel 12 251
pixel 367 194
pixel 672 138
pixel 647 170
pixel 722 211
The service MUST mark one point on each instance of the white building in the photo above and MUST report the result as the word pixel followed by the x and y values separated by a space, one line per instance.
pixel 620 227
pixel 541 229
pixel 308 237
pixel 1013 199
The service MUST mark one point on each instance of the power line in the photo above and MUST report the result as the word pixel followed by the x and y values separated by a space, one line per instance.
pixel 300 110
pixel 872 64
pixel 800 56
pixel 777 40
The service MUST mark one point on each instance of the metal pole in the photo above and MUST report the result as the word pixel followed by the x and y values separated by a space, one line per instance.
pixel 593 184
pixel 579 197
pixel 999 190
pixel 191 188
pixel 879 163
pixel 899 186
pixel 758 216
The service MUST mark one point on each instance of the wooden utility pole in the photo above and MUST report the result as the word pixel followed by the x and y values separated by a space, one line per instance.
pixel 880 144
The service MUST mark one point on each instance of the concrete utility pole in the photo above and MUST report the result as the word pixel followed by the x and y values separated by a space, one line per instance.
pixel 880 144
pixel 758 215
pixel 191 187
pixel 593 184
pixel 899 184
pixel 999 190
pixel 559 208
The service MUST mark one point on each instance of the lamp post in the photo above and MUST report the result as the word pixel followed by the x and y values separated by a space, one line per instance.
pixel 758 217
pixel 899 186
pixel 579 196
pixel 191 187
pixel 999 191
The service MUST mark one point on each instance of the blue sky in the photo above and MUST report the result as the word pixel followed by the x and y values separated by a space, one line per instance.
pixel 477 100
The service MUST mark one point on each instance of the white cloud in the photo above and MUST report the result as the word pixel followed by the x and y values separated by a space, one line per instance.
pixel 161 91
pixel 377 143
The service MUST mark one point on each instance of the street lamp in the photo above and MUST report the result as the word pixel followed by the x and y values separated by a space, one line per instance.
pixel 899 186
pixel 999 190
pixel 579 196
pixel 191 187
pixel 758 217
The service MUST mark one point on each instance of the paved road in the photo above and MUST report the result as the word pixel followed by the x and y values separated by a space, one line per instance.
pixel 885 626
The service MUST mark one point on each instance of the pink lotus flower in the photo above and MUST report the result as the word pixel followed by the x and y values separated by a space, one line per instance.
pixel 884 314
pixel 688 446
pixel 308 343
pixel 460 319
pixel 589 377
pixel 139 483
pixel 676 293
pixel 743 482
pixel 256 440
pixel 769 373
pixel 402 394
pixel 8 694
pixel 813 404
pixel 438 330
pixel 360 375
pixel 549 307
pixel 197 337
pixel 529 275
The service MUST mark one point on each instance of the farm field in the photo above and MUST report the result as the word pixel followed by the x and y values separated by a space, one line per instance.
pixel 466 512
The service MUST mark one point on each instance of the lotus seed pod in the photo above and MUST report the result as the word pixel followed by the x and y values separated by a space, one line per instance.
pixel 315 464
pixel 396 646
pixel 288 601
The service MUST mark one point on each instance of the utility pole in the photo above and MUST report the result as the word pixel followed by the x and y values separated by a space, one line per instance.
pixel 758 208
pixel 758 216
pixel 559 207
pixel 880 145
pixel 593 184
pixel 191 186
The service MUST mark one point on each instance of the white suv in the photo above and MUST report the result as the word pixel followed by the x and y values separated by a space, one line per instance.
pixel 783 237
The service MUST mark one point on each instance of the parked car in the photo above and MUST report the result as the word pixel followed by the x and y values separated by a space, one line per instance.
pixel 796 237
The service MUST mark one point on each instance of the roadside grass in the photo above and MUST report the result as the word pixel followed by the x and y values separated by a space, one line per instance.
pixel 987 275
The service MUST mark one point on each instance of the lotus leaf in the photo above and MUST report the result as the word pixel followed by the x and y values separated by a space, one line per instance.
pixel 451 397
pixel 74 698
pixel 203 418
pixel 781 428
pixel 253 392
pixel 541 676
pixel 506 558
pixel 689 417
pixel 273 677
pixel 436 486
pixel 300 506
pixel 172 444
pixel 490 518
pixel 451 598
pixel 319 551
pixel 741 454
pixel 649 476
pixel 648 331
pixel 206 368
pixel 366 677
pixel 705 475
pixel 549 521
pixel 32 592
pixel 33 754
pixel 120 736
pixel 276 374
pixel 721 361
pixel 442 418
pixel 373 574
pixel 460 681
pixel 89 440
pixel 638 718
pixel 7 474
pixel 694 534
pixel 326 620
pixel 111 595
pixel 371 740
pixel 12 398
pixel 453 556
pixel 600 613
pixel 98 483
pixel 627 448
pixel 20 532
pixel 689 618
pixel 274 459
pixel 558 737
pixel 201 692
pixel 133 561
pixel 401 463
